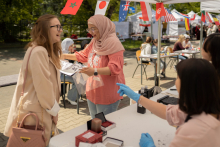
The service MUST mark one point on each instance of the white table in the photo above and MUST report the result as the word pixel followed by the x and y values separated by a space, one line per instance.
pixel 154 56
pixel 193 52
pixel 129 126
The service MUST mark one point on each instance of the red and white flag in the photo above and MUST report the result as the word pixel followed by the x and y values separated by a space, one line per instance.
pixel 207 17
pixel 101 6
pixel 160 11
pixel 146 11
pixel 193 17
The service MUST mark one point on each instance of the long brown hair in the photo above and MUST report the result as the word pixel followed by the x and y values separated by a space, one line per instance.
pixel 40 35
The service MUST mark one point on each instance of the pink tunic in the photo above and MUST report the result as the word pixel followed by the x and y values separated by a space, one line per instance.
pixel 201 131
pixel 106 94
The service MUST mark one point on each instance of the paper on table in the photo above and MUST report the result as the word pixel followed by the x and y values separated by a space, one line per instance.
pixel 69 68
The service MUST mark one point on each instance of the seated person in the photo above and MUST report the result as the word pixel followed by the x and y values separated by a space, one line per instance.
pixel 84 43
pixel 146 49
pixel 67 46
pixel 178 46
pixel 154 50
pixel 187 43
pixel 199 125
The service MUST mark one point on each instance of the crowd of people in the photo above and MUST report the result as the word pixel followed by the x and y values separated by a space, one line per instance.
pixel 207 30
pixel 197 82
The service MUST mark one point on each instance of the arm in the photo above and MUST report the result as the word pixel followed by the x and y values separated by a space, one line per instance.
pixel 69 57
pixel 180 46
pixel 156 108
pixel 114 67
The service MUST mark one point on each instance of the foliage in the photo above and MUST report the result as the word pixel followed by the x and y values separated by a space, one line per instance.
pixel 186 7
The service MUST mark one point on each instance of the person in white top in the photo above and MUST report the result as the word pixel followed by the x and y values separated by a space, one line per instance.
pixel 209 30
pixel 187 42
pixel 146 49
pixel 214 28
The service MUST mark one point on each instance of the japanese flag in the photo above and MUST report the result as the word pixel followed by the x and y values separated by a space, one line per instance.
pixel 101 6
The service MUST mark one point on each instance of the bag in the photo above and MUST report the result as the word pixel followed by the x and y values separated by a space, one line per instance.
pixel 23 137
pixel 27 135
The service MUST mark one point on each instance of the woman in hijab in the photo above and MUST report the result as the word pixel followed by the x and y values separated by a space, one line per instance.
pixel 104 55
pixel 67 45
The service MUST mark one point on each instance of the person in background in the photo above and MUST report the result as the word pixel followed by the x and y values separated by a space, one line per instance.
pixel 198 33
pixel 146 49
pixel 67 45
pixel 178 46
pixel 164 28
pixel 73 95
pixel 214 28
pixel 84 44
pixel 105 58
pixel 42 88
pixel 197 113
pixel 209 32
pixel 154 50
pixel 186 42
pixel 219 29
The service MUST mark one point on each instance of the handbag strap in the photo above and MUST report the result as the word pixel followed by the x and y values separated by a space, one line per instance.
pixel 37 120
pixel 22 92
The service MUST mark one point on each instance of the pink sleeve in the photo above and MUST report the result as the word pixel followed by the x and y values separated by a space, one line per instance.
pixel 116 62
pixel 82 56
pixel 174 115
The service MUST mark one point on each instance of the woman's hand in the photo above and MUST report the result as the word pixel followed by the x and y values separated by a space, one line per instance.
pixel 88 70
pixel 55 119
pixel 146 140
pixel 130 93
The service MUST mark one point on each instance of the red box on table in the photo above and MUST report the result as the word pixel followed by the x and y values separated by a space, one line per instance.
pixel 89 137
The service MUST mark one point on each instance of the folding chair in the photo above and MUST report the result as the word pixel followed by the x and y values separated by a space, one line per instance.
pixel 144 65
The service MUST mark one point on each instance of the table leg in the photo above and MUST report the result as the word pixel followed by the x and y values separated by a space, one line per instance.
pixel 64 90
pixel 141 71
pixel 165 66
pixel 155 71
pixel 78 97
pixel 177 59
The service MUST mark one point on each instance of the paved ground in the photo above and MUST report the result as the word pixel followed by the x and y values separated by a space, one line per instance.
pixel 10 63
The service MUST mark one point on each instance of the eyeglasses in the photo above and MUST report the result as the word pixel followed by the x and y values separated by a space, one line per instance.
pixel 59 27
pixel 91 29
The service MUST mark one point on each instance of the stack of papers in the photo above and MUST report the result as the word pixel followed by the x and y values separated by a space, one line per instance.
pixel 69 68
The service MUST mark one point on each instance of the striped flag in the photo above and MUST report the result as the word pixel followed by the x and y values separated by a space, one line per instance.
pixel 207 17
pixel 183 15
pixel 146 11
pixel 169 16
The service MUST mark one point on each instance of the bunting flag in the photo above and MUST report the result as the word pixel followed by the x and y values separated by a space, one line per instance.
pixel 183 15
pixel 216 21
pixel 124 5
pixel 160 11
pixel 169 16
pixel 193 17
pixel 203 16
pixel 71 7
pixel 187 24
pixel 101 7
pixel 207 17
pixel 131 10
pixel 146 11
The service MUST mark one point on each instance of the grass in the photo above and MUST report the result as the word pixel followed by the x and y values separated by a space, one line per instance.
pixel 134 44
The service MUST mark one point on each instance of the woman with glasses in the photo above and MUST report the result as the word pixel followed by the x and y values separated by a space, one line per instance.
pixel 197 113
pixel 42 86
pixel 104 55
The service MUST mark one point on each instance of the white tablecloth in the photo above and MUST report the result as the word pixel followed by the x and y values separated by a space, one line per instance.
pixel 129 126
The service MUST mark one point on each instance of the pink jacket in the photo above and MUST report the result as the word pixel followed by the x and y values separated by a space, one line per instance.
pixel 201 131
pixel 106 94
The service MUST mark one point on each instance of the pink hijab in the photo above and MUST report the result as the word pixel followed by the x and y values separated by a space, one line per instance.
pixel 108 42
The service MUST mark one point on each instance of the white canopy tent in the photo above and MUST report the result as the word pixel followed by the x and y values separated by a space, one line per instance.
pixel 159 26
